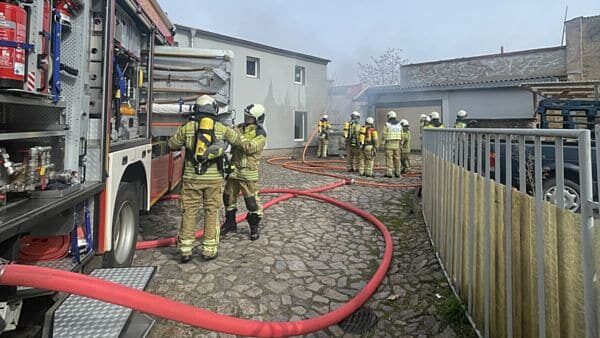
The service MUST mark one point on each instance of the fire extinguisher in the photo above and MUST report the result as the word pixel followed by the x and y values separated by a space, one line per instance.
pixel 13 45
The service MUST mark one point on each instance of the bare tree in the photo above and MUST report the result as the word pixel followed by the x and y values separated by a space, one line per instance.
pixel 382 70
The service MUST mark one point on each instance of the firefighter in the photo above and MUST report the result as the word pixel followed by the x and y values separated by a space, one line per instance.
pixel 405 145
pixel 204 140
pixel 427 122
pixel 351 133
pixel 460 119
pixel 368 141
pixel 392 134
pixel 435 121
pixel 323 130
pixel 245 160
pixel 423 120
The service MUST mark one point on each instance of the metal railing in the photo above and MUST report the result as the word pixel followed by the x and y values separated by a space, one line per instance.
pixel 511 215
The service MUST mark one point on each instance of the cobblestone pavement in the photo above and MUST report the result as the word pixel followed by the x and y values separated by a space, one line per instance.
pixel 311 258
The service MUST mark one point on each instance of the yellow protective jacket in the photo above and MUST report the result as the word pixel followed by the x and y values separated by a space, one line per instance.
pixel 323 128
pixel 352 132
pixel 185 136
pixel 245 157
pixel 368 137
pixel 431 125
pixel 460 124
pixel 405 142
pixel 392 134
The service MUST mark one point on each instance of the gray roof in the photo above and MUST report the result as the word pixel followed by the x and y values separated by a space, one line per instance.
pixel 251 44
pixel 388 89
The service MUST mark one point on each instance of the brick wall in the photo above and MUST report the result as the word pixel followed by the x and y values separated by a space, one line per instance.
pixel 583 48
pixel 546 62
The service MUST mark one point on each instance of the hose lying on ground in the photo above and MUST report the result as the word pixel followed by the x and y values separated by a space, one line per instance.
pixel 62 281
pixel 173 240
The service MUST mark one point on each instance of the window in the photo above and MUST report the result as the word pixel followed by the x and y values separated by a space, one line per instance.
pixel 299 126
pixel 252 67
pixel 299 75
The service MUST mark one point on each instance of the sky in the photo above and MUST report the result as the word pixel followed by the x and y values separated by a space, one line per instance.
pixel 351 31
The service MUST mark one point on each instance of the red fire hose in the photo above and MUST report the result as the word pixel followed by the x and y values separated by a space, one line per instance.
pixel 157 243
pixel 86 286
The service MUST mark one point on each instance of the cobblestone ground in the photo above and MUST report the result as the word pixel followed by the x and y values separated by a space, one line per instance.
pixel 311 258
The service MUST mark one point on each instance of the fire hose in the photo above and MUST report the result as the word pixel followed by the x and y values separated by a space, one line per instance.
pixel 62 281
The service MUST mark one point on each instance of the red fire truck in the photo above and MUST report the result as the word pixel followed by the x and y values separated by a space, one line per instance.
pixel 90 90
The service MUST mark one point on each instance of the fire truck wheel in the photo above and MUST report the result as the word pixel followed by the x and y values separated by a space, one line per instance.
pixel 125 227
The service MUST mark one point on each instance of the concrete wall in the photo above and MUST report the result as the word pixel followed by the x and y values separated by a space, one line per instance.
pixel 536 63
pixel 583 48
pixel 501 103
pixel 274 88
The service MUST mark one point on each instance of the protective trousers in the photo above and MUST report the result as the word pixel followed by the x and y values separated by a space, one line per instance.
pixel 354 154
pixel 367 161
pixel 392 162
pixel 249 190
pixel 196 194
pixel 323 145
pixel 405 158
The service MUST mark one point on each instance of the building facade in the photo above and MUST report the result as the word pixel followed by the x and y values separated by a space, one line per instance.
pixel 292 86
pixel 489 87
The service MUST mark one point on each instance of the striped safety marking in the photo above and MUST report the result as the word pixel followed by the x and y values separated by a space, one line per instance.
pixel 30 82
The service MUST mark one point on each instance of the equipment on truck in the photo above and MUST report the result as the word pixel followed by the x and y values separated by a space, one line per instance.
pixel 13 44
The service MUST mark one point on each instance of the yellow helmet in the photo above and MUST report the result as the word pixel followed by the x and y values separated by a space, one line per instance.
pixel 206 104
pixel 257 111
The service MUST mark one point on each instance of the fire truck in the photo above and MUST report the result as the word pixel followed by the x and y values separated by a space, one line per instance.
pixel 90 91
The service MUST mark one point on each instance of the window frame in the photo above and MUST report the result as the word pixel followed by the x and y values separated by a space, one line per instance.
pixel 302 75
pixel 256 67
pixel 303 130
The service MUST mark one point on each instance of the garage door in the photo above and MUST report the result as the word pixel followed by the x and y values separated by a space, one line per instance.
pixel 412 114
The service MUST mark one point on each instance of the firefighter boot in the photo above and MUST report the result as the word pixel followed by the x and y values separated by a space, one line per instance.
pixel 230 225
pixel 253 220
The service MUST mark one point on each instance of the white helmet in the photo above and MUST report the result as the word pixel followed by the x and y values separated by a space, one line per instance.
pixel 206 104
pixel 404 122
pixel 434 115
pixel 427 119
pixel 423 117
pixel 257 111
pixel 461 113
pixel 325 117
pixel 355 114
pixel 370 120
pixel 391 115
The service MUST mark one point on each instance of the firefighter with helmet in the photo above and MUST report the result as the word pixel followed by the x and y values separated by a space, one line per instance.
pixel 351 134
pixel 245 161
pixel 435 120
pixel 460 119
pixel 204 139
pixel 392 135
pixel 323 129
pixel 405 146
pixel 369 141
pixel 423 120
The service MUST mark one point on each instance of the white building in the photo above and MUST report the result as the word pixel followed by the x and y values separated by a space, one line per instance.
pixel 292 86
